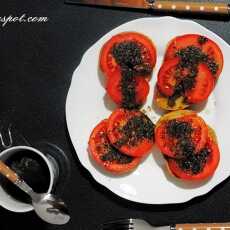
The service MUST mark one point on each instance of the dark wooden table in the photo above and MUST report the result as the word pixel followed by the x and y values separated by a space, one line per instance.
pixel 36 65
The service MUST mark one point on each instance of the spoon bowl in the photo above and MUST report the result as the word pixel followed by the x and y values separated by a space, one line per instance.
pixel 50 208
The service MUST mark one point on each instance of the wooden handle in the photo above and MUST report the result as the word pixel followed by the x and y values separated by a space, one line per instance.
pixel 205 226
pixel 193 7
pixel 7 172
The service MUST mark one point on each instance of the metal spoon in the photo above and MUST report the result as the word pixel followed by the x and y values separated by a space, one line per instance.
pixel 48 207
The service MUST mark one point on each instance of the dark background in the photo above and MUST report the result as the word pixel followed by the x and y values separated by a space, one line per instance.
pixel 36 65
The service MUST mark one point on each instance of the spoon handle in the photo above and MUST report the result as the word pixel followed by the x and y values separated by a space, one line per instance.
pixel 8 173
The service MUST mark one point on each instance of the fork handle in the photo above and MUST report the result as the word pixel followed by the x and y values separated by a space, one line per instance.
pixel 203 226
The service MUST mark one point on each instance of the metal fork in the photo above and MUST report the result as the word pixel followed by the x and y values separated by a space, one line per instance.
pixel 9 137
pixel 139 224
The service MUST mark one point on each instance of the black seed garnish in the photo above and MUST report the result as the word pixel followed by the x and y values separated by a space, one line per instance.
pixel 195 162
pixel 114 155
pixel 202 40
pixel 191 56
pixel 109 154
pixel 187 83
pixel 189 59
pixel 128 90
pixel 142 69
pixel 185 147
pixel 188 159
pixel 179 129
pixel 213 67
pixel 180 89
pixel 128 55
pixel 135 130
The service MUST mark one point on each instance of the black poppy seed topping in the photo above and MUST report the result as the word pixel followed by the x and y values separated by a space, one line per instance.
pixel 202 40
pixel 179 129
pixel 194 163
pixel 182 131
pixel 128 90
pixel 189 160
pixel 212 65
pixel 142 69
pixel 128 55
pixel 114 155
pixel 191 56
pixel 185 147
pixel 189 59
pixel 180 88
pixel 135 130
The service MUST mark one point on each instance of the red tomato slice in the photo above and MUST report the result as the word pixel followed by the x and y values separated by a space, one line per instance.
pixel 208 169
pixel 203 87
pixel 132 132
pixel 179 43
pixel 114 90
pixel 207 46
pixel 168 144
pixel 166 80
pixel 105 155
pixel 108 64
pixel 214 52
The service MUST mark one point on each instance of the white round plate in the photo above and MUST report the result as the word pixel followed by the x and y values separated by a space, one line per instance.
pixel 87 104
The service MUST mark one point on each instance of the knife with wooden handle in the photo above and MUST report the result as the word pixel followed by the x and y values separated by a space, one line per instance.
pixel 219 8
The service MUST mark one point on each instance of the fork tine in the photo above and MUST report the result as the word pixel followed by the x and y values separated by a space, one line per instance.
pixel 120 224
pixel 9 137
pixel 114 227
pixel 118 221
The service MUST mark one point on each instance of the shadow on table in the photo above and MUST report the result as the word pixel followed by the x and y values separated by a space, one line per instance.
pixel 18 220
pixel 138 206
